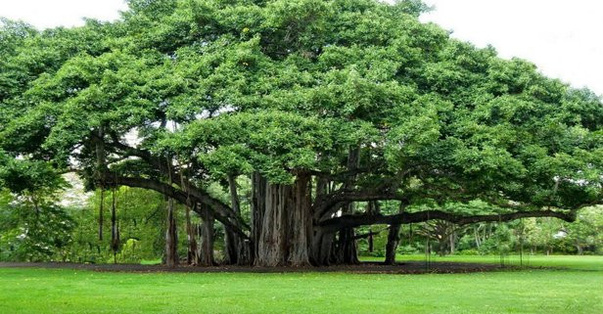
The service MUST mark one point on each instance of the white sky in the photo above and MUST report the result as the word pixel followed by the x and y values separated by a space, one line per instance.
pixel 563 38
pixel 50 13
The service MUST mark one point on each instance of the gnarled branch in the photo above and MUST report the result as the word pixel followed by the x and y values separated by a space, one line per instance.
pixel 350 221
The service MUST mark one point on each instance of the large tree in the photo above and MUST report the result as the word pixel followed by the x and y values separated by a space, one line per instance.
pixel 322 105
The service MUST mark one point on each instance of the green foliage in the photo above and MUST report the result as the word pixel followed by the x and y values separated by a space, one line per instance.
pixel 141 223
pixel 281 87
pixel 33 230
pixel 277 86
pixel 28 176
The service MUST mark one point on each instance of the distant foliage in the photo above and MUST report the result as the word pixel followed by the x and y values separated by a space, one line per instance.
pixel 34 232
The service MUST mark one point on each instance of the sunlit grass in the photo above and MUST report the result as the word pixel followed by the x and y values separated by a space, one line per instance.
pixel 564 261
pixel 24 290
pixel 150 262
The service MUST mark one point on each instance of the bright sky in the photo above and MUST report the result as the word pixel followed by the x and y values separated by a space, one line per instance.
pixel 563 38
pixel 50 13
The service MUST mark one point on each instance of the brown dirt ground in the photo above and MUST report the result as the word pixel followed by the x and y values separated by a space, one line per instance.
pixel 362 268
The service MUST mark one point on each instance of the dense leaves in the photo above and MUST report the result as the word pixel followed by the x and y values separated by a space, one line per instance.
pixel 178 95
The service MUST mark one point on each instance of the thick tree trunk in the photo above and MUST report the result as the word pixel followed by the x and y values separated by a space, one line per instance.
pixel 346 251
pixel 322 246
pixel 171 237
pixel 245 252
pixel 300 222
pixel 393 238
pixel 272 244
pixel 322 241
pixel 237 250
pixel 206 254
pixel 282 222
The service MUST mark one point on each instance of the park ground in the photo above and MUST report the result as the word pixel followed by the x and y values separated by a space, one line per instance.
pixel 554 284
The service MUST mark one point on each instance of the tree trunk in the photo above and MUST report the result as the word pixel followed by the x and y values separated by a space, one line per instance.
pixel 477 237
pixel 101 211
pixel 393 238
pixel 442 245
pixel 300 222
pixel 115 241
pixel 171 237
pixel 191 256
pixel 231 241
pixel 272 244
pixel 347 252
pixel 453 242
pixel 206 255
pixel 322 247
pixel 238 250
pixel 100 174
pixel 284 232
pixel 371 242
pixel 258 207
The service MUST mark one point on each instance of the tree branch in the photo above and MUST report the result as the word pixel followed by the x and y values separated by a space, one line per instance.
pixel 220 210
pixel 350 221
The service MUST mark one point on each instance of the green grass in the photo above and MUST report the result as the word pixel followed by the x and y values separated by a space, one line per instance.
pixel 150 261
pixel 571 290
pixel 561 261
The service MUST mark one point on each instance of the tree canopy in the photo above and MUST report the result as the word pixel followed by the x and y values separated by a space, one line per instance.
pixel 323 105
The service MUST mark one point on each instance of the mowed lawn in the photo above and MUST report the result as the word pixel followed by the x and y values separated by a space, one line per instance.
pixel 573 262
pixel 578 289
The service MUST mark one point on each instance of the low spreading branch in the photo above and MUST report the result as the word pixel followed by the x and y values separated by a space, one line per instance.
pixel 350 221
pixel 219 209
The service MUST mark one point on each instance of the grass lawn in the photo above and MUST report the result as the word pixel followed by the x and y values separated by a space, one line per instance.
pixel 562 261
pixel 578 289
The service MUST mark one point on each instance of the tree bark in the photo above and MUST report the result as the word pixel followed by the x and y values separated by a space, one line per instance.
pixel 206 255
pixel 115 241
pixel 258 206
pixel 393 238
pixel 453 242
pixel 300 222
pixel 322 246
pixel 282 221
pixel 99 176
pixel 231 241
pixel 272 244
pixel 348 221
pixel 346 250
pixel 191 256
pixel 171 236
pixel 101 211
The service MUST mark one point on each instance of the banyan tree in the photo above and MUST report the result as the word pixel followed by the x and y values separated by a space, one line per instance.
pixel 326 108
